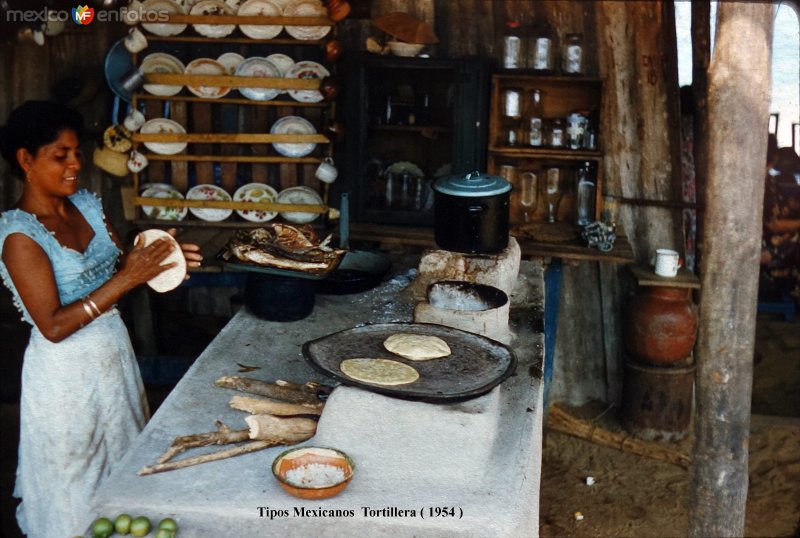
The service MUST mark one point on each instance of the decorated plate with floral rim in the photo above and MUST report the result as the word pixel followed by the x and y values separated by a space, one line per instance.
pixel 260 8
pixel 256 192
pixel 307 70
pixel 154 9
pixel 163 190
pixel 212 7
pixel 209 192
pixel 207 66
pixel 163 126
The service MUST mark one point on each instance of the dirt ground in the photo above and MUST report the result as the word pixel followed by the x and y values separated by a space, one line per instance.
pixel 638 497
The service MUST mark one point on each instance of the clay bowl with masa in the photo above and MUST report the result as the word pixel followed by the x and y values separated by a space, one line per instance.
pixel 311 472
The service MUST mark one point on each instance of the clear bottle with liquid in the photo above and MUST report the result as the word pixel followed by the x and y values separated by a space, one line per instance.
pixel 534 119
pixel 513 56
pixel 511 119
pixel 542 49
pixel 585 195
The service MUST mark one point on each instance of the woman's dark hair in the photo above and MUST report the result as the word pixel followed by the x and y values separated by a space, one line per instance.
pixel 35 124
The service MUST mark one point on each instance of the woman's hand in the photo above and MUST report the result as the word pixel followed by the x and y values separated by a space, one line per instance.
pixel 143 263
pixel 190 251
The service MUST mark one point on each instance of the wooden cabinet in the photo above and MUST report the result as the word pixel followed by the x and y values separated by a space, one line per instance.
pixel 560 97
pixel 228 139
pixel 409 121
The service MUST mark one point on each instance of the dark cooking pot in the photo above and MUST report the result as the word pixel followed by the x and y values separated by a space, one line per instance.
pixel 471 213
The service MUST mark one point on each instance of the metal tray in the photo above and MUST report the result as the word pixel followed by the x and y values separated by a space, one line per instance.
pixel 476 365
pixel 252 268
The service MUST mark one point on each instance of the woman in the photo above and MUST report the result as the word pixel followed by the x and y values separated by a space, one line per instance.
pixel 83 400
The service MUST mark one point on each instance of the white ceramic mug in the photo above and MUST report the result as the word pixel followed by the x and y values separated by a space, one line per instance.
pixel 134 120
pixel 667 262
pixel 326 171
pixel 137 162
pixel 135 41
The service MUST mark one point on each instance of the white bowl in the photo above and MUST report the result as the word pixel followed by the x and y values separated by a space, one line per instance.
pixel 407 50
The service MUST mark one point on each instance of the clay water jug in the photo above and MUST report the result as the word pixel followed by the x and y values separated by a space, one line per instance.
pixel 660 325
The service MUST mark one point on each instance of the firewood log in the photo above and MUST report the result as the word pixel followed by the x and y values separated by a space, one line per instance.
pixel 261 406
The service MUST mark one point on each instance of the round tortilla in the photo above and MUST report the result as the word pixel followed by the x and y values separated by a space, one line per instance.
pixel 170 278
pixel 417 347
pixel 379 371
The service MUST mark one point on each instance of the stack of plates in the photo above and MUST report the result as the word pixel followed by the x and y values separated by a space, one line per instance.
pixel 163 190
pixel 293 125
pixel 260 8
pixel 209 192
pixel 256 192
pixel 306 8
pixel 299 195
pixel 163 125
pixel 258 67
pixel 162 63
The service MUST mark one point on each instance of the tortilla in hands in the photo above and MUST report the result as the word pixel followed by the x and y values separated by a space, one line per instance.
pixel 171 278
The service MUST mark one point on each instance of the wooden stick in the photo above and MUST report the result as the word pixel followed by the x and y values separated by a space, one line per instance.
pixel 270 390
pixel 288 430
pixel 214 456
pixel 560 420
pixel 263 406
pixel 222 436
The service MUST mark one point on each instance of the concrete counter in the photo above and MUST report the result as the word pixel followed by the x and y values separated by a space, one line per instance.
pixel 463 469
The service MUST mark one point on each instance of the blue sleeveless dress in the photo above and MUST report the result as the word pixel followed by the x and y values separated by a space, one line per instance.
pixel 83 401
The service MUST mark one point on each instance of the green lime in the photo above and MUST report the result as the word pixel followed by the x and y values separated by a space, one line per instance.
pixel 169 524
pixel 123 524
pixel 165 533
pixel 140 526
pixel 102 527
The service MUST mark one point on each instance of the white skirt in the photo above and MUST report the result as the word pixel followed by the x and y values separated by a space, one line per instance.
pixel 82 404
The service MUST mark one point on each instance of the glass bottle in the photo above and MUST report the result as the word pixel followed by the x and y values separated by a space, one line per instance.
pixel 585 197
pixel 556 134
pixel 572 55
pixel 512 116
pixel 512 46
pixel 534 117
pixel 542 49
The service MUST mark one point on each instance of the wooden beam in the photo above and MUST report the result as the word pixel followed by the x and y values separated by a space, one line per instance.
pixel 738 112
pixel 701 57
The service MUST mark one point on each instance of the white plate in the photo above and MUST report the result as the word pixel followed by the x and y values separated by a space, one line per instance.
pixel 264 8
pixel 152 9
pixel 163 125
pixel 258 67
pixel 212 7
pixel 256 192
pixel 307 70
pixel 299 195
pixel 163 190
pixel 293 125
pixel 209 192
pixel 162 63
pixel 207 66
pixel 306 8
pixel 230 61
pixel 283 62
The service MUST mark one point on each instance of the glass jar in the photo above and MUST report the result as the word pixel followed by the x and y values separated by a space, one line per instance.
pixel 572 55
pixel 555 135
pixel 512 46
pixel 542 49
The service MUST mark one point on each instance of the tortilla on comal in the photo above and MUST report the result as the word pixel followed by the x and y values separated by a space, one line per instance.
pixel 379 371
pixel 417 347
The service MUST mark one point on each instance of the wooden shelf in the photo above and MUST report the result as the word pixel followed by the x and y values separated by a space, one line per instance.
pixel 545 153
pixel 422 129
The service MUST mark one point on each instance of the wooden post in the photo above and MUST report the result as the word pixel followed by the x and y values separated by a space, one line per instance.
pixel 701 56
pixel 738 111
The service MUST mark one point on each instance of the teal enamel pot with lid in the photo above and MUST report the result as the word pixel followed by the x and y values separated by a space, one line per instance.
pixel 471 213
